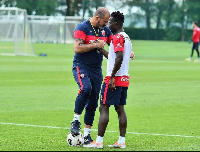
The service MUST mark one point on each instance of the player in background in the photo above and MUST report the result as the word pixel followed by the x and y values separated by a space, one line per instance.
pixel 86 68
pixel 195 38
pixel 116 82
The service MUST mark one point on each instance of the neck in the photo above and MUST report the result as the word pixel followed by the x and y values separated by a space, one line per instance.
pixel 92 20
pixel 120 30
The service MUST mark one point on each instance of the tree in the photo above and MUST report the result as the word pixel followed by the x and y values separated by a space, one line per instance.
pixel 90 6
pixel 160 7
pixel 169 13
pixel 7 3
pixel 147 7
pixel 193 10
pixel 73 7
pixel 181 17
pixel 33 6
pixel 164 15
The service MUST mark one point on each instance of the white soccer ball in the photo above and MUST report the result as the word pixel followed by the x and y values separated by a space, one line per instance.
pixel 75 140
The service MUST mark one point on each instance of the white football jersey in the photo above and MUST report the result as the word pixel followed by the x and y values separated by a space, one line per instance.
pixel 120 42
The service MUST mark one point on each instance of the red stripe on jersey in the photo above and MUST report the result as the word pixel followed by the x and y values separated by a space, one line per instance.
pixel 105 93
pixel 121 81
pixel 103 38
pixel 90 39
pixel 79 79
pixel 118 42
pixel 79 35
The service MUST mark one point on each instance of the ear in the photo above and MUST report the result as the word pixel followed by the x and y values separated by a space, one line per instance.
pixel 97 17
pixel 116 23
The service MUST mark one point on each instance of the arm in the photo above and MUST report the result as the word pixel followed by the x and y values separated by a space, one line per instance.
pixel 104 52
pixel 194 34
pixel 80 47
pixel 117 65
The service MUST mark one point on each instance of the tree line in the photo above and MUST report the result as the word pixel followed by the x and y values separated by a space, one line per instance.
pixel 158 15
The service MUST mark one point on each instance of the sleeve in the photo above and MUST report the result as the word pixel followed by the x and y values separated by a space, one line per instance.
pixel 118 43
pixel 79 32
pixel 199 33
pixel 109 36
pixel 194 34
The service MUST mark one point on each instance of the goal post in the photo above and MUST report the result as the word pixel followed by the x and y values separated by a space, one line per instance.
pixel 15 35
pixel 53 29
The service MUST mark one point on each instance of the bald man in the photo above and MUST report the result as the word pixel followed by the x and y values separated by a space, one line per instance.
pixel 90 36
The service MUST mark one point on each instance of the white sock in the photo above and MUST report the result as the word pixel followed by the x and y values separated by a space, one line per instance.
pixel 99 139
pixel 76 117
pixel 86 131
pixel 121 140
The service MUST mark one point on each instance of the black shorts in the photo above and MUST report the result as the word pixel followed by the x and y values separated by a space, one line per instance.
pixel 195 46
pixel 116 97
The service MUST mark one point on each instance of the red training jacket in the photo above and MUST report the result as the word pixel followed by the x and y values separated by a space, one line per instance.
pixel 196 34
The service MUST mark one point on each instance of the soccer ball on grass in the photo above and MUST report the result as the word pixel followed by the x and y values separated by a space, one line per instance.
pixel 75 140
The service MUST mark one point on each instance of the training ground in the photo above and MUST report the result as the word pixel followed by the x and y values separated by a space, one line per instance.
pixel 163 106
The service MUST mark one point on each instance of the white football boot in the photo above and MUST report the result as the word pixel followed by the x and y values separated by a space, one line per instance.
pixel 93 144
pixel 117 145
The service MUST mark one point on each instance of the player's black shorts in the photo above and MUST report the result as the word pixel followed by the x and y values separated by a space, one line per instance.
pixel 116 97
pixel 195 46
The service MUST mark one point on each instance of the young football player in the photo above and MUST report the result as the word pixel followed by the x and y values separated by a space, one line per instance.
pixel 116 82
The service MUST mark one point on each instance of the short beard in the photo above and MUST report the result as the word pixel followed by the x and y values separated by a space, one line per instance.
pixel 99 26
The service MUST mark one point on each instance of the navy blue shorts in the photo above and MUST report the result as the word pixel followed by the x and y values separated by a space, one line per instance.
pixel 116 97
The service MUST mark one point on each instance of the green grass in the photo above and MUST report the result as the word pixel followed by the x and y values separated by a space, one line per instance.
pixel 163 100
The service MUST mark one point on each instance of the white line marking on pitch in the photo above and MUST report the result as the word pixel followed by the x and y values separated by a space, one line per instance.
pixel 138 133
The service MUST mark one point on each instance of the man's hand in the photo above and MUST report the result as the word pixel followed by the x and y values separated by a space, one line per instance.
pixel 112 84
pixel 132 55
pixel 100 44
pixel 80 47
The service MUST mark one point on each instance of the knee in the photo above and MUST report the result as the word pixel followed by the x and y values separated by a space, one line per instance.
pixel 104 109
pixel 104 112
pixel 120 110
pixel 90 110
pixel 87 89
pixel 117 109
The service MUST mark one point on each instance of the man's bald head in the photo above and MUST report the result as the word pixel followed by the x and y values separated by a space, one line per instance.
pixel 102 12
pixel 100 18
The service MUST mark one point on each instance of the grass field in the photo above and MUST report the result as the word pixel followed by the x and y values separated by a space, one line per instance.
pixel 163 106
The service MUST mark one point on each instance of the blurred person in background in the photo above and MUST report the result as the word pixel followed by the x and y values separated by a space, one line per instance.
pixel 195 38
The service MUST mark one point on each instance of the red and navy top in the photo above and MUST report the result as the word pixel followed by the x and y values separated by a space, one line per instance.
pixel 85 31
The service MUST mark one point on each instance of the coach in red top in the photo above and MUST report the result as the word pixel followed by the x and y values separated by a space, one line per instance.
pixel 195 38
